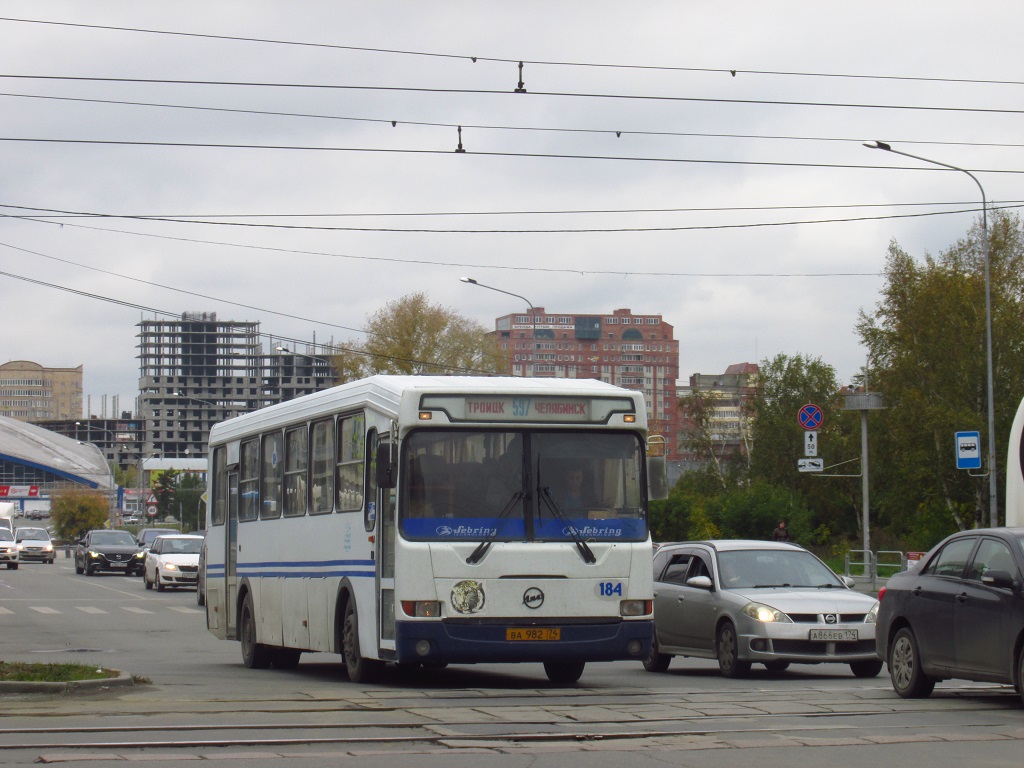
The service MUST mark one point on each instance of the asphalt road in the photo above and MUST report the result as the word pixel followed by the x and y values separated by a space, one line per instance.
pixel 195 701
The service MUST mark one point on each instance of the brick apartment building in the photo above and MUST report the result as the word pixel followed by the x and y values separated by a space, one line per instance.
pixel 631 350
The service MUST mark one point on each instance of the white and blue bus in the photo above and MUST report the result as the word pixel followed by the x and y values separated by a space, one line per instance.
pixel 428 520
pixel 1015 471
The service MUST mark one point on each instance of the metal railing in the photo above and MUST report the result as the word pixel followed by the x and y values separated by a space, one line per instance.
pixel 874 565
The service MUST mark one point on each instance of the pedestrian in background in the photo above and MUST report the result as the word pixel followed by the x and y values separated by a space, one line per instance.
pixel 781 533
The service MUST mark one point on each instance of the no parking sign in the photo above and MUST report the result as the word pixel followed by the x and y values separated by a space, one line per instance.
pixel 810 416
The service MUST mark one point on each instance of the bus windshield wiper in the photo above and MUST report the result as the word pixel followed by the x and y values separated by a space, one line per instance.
pixel 481 549
pixel 545 496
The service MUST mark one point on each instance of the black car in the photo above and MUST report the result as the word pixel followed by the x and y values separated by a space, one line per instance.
pixel 104 550
pixel 958 614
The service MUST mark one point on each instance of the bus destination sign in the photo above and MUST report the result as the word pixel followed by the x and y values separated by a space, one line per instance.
pixel 496 408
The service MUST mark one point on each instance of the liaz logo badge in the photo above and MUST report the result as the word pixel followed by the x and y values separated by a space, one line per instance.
pixel 533 598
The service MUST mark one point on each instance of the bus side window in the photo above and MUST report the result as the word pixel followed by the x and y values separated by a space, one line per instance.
pixel 370 499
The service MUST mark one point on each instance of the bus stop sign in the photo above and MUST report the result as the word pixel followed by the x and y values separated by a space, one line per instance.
pixel 968 450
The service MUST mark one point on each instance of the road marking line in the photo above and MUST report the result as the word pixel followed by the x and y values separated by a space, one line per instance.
pixel 43 609
pixel 182 609
pixel 89 609
pixel 134 609
pixel 5 611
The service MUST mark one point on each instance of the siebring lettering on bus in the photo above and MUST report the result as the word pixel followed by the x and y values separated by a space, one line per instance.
pixel 463 531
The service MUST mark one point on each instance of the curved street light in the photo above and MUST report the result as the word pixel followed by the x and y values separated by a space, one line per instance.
pixel 533 313
pixel 993 507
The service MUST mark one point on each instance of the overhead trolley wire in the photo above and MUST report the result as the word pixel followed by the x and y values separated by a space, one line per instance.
pixel 732 72
pixel 493 231
pixel 494 92
pixel 533 155
pixel 619 132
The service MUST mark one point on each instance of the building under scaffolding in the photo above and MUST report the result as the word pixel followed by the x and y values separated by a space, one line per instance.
pixel 196 371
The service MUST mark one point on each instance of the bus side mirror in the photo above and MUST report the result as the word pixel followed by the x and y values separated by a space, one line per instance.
pixel 387 466
pixel 657 478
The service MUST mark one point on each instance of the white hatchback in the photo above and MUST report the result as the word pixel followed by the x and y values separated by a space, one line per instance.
pixel 172 561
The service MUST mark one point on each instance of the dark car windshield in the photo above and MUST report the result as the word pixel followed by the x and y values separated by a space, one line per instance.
pixel 151 534
pixel 6 535
pixel 765 568
pixel 113 537
pixel 32 534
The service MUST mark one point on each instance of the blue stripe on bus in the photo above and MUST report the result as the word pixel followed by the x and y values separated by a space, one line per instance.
pixel 308 563
pixel 296 569
pixel 305 574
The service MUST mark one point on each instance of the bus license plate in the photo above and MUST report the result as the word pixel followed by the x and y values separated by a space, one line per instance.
pixel 533 633
pixel 833 635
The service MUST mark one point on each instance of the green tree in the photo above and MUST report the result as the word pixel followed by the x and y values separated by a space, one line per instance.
pixel 165 488
pixel 785 384
pixel 684 515
pixel 188 500
pixel 700 436
pixel 411 336
pixel 926 341
pixel 76 511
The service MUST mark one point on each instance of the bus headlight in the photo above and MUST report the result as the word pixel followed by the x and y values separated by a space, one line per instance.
pixel 422 609
pixel 636 607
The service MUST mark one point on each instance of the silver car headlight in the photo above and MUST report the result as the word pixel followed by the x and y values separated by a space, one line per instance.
pixel 872 614
pixel 766 614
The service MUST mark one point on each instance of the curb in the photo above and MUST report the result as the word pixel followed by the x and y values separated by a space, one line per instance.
pixel 122 680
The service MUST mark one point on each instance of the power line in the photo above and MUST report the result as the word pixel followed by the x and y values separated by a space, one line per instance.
pixel 618 132
pixel 58 213
pixel 532 62
pixel 521 231
pixel 492 92
pixel 336 348
pixel 432 263
pixel 466 152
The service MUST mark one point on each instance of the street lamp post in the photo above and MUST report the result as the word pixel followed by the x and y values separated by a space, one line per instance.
pixel 329 374
pixel 533 314
pixel 993 508
pixel 112 490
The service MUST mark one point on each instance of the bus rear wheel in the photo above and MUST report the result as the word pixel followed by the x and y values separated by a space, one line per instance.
pixel 360 670
pixel 285 658
pixel 254 655
pixel 563 672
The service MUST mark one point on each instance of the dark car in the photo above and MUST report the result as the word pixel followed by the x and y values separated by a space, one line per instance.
pixel 103 550
pixel 958 614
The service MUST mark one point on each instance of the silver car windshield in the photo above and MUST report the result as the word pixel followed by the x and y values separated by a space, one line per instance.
pixel 767 568
pixel 32 534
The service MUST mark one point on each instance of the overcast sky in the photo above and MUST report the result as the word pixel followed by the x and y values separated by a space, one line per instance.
pixel 635 171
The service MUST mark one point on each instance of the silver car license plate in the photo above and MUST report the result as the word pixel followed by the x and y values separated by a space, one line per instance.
pixel 833 635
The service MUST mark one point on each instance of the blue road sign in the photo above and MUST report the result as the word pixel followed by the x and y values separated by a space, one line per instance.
pixel 968 450
pixel 810 416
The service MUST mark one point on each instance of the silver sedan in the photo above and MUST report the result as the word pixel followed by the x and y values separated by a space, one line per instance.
pixel 745 602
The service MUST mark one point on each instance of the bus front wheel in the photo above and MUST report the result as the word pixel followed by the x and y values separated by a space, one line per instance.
pixel 564 672
pixel 360 670
pixel 254 655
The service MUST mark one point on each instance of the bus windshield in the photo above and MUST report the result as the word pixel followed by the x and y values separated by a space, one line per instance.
pixel 521 485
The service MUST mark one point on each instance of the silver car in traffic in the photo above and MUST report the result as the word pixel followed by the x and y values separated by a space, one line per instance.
pixel 746 602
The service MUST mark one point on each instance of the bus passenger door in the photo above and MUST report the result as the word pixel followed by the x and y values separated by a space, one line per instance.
pixel 386 563
pixel 231 555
